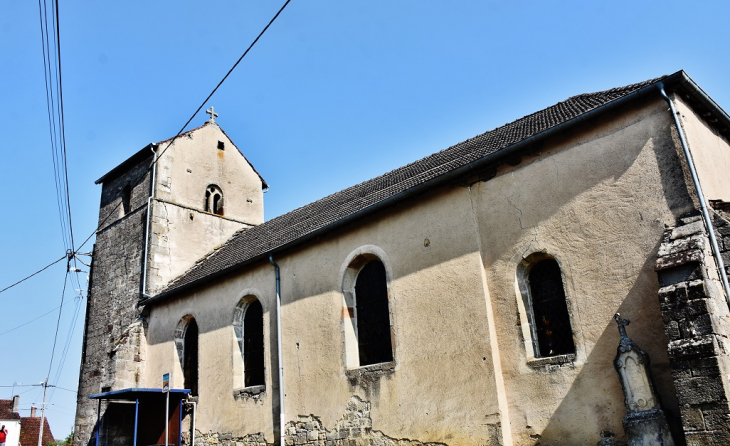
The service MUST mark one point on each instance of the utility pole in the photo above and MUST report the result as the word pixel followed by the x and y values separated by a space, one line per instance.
pixel 43 412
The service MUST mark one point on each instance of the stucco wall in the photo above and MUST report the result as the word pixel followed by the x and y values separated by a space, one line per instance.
pixel 710 152
pixel 436 392
pixel 194 161
pixel 597 200
pixel 599 206
pixel 179 236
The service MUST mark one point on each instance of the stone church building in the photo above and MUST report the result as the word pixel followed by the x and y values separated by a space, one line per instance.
pixel 467 298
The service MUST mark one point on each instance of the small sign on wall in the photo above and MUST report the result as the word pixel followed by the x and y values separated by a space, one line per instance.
pixel 165 383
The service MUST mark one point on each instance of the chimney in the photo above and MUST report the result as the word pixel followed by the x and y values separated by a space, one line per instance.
pixel 16 402
pixel 32 411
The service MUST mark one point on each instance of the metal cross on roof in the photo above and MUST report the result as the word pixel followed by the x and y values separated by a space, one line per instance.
pixel 212 114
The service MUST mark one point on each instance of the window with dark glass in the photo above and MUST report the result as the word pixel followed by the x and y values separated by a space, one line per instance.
pixel 190 357
pixel 214 200
pixel 551 321
pixel 373 318
pixel 253 345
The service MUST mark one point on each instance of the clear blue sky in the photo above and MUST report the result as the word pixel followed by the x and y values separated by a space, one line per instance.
pixel 335 93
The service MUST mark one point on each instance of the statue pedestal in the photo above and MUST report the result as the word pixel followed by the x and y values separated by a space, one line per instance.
pixel 647 428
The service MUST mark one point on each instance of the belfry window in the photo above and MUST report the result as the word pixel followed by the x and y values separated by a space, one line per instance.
pixel 214 200
pixel 253 345
pixel 373 317
pixel 550 320
pixel 190 357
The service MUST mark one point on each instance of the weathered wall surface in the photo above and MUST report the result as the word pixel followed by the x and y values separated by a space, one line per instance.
pixel 442 386
pixel 597 201
pixel 221 406
pixel 181 231
pixel 179 236
pixel 710 152
pixel 464 372
pixel 113 337
pixel 194 161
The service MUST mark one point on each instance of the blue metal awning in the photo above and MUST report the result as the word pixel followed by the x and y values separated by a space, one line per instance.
pixel 134 393
pixel 146 397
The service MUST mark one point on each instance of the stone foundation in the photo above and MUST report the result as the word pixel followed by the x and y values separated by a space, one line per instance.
pixel 355 428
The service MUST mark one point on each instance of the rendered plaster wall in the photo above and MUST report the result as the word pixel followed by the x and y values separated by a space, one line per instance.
pixel 710 152
pixel 597 201
pixel 194 161
pixel 442 387
pixel 179 236
pixel 221 407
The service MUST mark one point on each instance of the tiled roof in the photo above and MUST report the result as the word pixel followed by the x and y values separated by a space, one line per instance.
pixel 29 430
pixel 286 229
pixel 6 411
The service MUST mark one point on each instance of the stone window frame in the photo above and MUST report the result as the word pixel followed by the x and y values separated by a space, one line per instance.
pixel 526 314
pixel 349 271
pixel 211 205
pixel 239 313
pixel 180 332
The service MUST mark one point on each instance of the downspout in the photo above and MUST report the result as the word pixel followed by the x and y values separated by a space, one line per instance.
pixel 147 229
pixel 281 356
pixel 700 194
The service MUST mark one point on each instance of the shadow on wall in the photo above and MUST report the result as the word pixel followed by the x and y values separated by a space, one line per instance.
pixel 641 306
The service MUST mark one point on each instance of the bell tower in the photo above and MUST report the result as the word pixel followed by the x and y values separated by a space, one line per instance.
pixel 161 210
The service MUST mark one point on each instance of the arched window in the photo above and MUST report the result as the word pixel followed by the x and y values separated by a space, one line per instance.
pixel 550 320
pixel 248 358
pixel 190 357
pixel 214 200
pixel 373 316
pixel 253 345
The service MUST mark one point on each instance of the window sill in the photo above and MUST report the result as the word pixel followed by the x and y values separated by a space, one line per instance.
pixel 551 362
pixel 370 373
pixel 255 393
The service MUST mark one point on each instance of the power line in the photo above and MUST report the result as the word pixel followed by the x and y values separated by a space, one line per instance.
pixel 29 322
pixel 205 101
pixel 78 249
pixel 37 272
pixel 58 323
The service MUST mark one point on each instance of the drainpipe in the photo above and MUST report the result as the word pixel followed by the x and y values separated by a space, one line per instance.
pixel 700 194
pixel 147 230
pixel 281 356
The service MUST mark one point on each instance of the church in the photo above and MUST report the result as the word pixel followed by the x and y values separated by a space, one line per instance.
pixel 479 296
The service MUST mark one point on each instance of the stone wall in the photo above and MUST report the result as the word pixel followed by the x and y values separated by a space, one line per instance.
pixel 697 323
pixel 113 335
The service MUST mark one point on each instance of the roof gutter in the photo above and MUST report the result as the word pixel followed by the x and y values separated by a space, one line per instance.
pixel 445 178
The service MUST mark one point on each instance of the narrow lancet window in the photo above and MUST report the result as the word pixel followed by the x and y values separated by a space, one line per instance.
pixel 373 316
pixel 253 345
pixel 190 357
